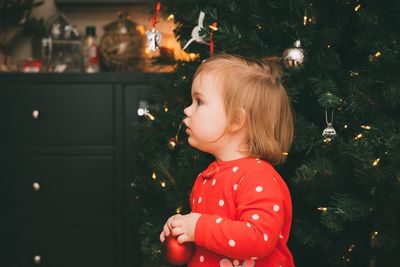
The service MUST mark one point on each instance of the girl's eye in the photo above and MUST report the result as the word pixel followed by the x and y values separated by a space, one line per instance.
pixel 199 102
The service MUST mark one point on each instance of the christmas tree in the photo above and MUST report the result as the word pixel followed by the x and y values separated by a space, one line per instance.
pixel 340 61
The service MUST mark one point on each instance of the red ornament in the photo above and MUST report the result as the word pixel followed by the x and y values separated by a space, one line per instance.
pixel 175 253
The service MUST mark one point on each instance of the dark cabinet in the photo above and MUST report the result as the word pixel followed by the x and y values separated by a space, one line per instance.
pixel 65 161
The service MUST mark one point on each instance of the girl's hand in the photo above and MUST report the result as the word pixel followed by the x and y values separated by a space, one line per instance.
pixel 167 227
pixel 184 227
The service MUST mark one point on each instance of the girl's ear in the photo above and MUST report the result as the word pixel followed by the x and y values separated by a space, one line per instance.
pixel 239 120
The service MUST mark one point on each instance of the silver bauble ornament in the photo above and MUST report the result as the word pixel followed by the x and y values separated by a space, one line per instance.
pixel 329 133
pixel 293 57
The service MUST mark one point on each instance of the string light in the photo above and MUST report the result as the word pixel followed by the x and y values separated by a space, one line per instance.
pixel 151 117
pixel 357 7
pixel 154 176
pixel 259 26
pixel 358 136
pixel 353 73
pixel 212 27
pixel 285 153
pixel 323 209
pixel 163 184
pixel 345 126
pixel 329 46
pixel 171 17
pixel 305 20
pixel 179 209
pixel 375 56
pixel 366 127
pixel 351 247
pixel 165 108
pixel 376 162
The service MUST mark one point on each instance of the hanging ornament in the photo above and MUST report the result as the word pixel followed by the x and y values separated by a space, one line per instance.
pixel 293 57
pixel 329 132
pixel 173 141
pixel 213 28
pixel 196 32
pixel 175 253
pixel 154 36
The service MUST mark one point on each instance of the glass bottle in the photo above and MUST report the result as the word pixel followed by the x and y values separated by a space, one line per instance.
pixel 91 51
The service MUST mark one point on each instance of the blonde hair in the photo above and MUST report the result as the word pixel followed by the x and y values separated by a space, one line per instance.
pixel 256 87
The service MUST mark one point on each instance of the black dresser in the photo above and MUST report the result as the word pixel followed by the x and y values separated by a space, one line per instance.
pixel 65 166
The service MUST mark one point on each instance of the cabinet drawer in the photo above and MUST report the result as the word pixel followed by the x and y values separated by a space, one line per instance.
pixel 58 114
pixel 43 187
pixel 80 247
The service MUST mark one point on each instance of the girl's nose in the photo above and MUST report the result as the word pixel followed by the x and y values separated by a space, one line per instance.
pixel 186 111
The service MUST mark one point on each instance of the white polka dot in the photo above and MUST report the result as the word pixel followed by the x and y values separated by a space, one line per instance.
pixel 255 217
pixel 265 237
pixel 248 224
pixel 218 220
pixel 276 208
pixel 235 187
pixel 234 169
pixel 213 182
pixel 221 203
pixel 280 236
pixel 236 262
pixel 199 199
pixel 201 258
pixel 232 243
pixel 259 189
pixel 205 181
pixel 254 258
pixel 275 180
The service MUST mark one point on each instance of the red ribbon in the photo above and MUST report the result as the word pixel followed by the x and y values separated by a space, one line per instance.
pixel 154 19
pixel 214 25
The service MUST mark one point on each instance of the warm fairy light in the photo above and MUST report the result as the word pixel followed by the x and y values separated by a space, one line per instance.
pixel 351 247
pixel 285 153
pixel 172 143
pixel 345 126
pixel 374 56
pixel 376 162
pixel 151 117
pixel 374 234
pixel 304 20
pixel 194 56
pixel 183 77
pixel 259 26
pixel 141 29
pixel 163 184
pixel 366 127
pixel 171 17
pixel 353 73
pixel 178 209
pixel 166 108
pixel 154 175
pixel 329 46
pixel 357 7
pixel 214 28
pixel 358 136
pixel 323 209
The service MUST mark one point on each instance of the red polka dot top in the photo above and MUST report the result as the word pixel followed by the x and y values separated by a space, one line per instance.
pixel 246 215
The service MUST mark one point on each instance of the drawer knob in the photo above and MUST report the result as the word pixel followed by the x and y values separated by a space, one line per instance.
pixel 35 114
pixel 37 259
pixel 36 186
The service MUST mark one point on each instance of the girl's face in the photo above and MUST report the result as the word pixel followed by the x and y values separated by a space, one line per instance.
pixel 206 120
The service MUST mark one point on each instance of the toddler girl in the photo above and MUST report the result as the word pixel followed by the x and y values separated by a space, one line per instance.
pixel 241 207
